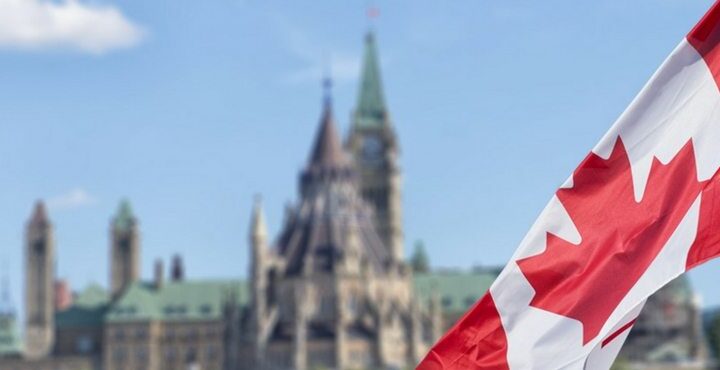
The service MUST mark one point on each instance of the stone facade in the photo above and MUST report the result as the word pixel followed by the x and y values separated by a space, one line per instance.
pixel 334 290
pixel 375 150
pixel 124 250
pixel 40 280
pixel 331 291
pixel 669 332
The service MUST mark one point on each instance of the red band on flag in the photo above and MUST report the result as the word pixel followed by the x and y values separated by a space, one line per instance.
pixel 705 38
pixel 476 342
pixel 617 333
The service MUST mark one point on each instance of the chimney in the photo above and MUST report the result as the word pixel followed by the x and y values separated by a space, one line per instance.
pixel 159 273
pixel 177 272
pixel 63 295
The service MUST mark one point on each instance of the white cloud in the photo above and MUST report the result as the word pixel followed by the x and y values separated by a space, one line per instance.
pixel 65 24
pixel 76 198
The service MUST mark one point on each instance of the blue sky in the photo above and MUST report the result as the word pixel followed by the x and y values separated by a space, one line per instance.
pixel 189 108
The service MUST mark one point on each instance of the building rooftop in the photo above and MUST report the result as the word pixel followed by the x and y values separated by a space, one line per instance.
pixel 88 308
pixel 457 290
pixel 193 300
pixel 176 301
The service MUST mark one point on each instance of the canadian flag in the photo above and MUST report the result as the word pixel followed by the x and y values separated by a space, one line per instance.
pixel 641 209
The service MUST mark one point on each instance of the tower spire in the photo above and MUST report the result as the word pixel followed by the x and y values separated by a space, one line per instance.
pixel 371 110
pixel 375 150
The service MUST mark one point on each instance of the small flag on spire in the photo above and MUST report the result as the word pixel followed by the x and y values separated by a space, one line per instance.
pixel 373 12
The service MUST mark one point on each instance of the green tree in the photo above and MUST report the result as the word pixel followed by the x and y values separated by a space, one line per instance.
pixel 420 261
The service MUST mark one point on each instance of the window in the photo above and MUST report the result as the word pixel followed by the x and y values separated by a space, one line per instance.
pixel 141 356
pixel 211 353
pixel 141 333
pixel 192 334
pixel 170 334
pixel 119 354
pixel 326 305
pixel 84 344
pixel 190 356
pixel 212 332
pixel 175 310
pixel 170 354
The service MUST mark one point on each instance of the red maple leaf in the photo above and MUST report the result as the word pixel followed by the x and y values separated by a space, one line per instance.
pixel 620 236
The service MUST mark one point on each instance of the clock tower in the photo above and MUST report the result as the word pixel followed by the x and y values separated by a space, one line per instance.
pixel 374 147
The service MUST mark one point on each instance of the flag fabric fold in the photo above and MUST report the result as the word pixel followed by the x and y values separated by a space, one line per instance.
pixel 640 210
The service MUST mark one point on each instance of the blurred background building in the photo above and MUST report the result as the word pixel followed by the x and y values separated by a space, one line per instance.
pixel 331 291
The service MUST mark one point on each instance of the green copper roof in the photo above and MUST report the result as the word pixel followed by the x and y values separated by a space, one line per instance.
pixel 370 111
pixel 88 309
pixel 176 301
pixel 93 295
pixel 203 299
pixel 9 338
pixel 124 219
pixel 457 290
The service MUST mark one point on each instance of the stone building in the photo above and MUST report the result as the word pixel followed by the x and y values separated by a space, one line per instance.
pixel 40 280
pixel 668 335
pixel 334 290
pixel 331 291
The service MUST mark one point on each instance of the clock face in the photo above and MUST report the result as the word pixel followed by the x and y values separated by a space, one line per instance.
pixel 372 149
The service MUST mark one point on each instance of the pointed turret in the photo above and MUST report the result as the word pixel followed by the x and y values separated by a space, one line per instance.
pixel 259 280
pixel 124 249
pixel 258 229
pixel 328 161
pixel 327 150
pixel 370 111
pixel 124 218
pixel 39 216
